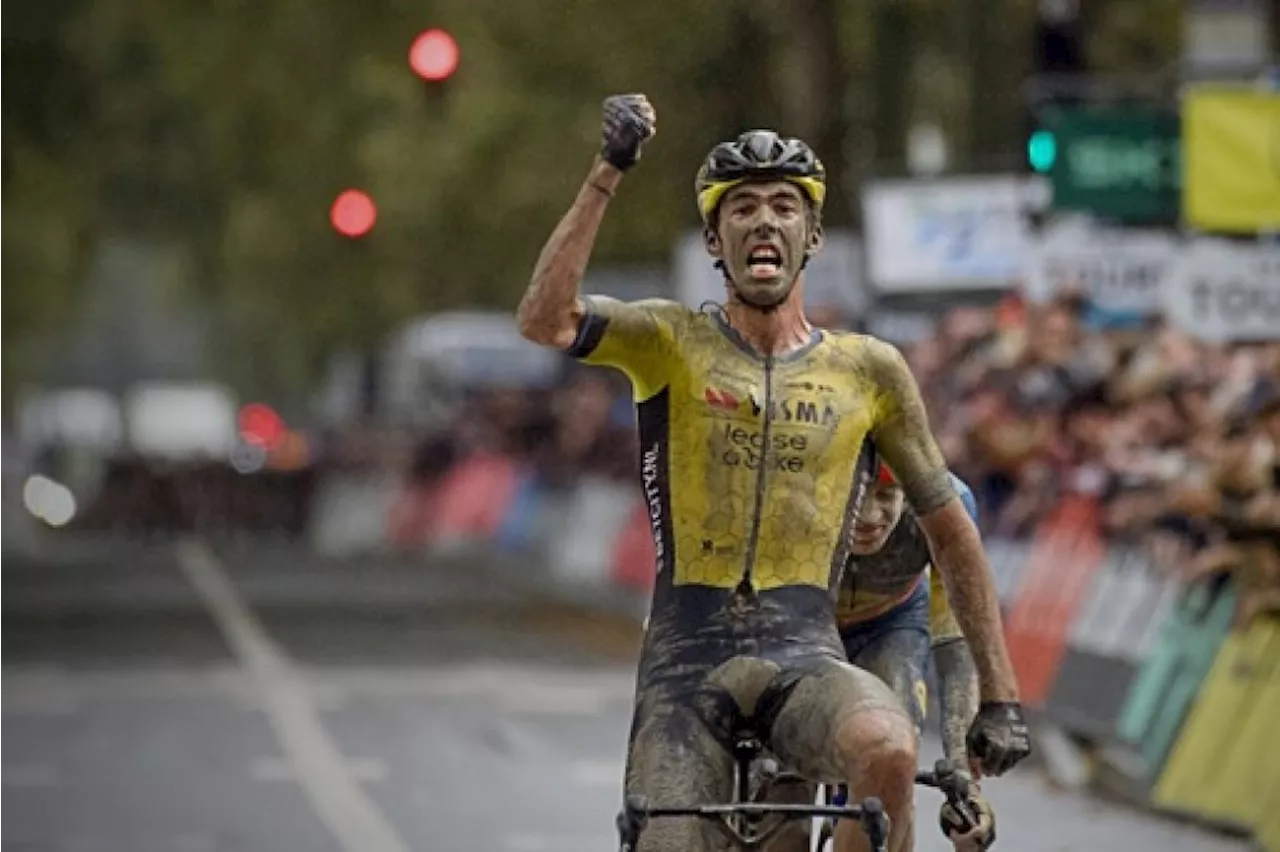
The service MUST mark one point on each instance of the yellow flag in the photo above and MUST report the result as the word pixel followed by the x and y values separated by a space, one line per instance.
pixel 1231 159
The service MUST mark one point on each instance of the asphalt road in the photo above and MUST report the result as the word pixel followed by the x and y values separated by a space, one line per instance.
pixel 161 701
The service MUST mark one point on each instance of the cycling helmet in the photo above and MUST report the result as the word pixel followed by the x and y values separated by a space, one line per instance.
pixel 874 464
pixel 759 155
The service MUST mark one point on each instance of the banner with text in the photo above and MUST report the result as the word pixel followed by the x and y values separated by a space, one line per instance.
pixel 1223 291
pixel 1120 270
pixel 960 233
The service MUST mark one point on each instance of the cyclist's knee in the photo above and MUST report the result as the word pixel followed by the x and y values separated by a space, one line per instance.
pixel 878 748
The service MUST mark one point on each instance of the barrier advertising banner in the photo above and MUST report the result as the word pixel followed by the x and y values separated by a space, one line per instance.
pixel 1222 291
pixel 1055 584
pixel 1120 270
pixel 948 234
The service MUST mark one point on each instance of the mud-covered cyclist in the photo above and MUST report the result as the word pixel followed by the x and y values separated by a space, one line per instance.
pixel 751 423
pixel 894 613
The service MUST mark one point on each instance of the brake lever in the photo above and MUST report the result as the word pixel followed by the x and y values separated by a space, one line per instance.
pixel 955 787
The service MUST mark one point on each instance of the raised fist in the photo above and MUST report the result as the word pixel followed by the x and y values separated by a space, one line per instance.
pixel 629 121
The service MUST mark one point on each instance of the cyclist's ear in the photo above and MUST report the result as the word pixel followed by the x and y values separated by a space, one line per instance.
pixel 816 239
pixel 711 240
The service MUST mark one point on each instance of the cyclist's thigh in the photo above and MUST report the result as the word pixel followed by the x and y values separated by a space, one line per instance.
pixel 673 760
pixel 899 657
pixel 822 697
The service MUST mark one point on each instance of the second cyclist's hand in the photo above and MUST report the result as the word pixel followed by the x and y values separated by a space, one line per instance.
pixel 629 122
pixel 998 738
pixel 965 837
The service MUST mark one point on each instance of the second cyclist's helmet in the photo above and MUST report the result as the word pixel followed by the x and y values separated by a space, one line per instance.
pixel 759 155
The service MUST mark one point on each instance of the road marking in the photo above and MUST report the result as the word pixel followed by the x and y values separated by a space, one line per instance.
pixel 536 842
pixel 365 770
pixel 31 775
pixel 337 798
pixel 525 690
pixel 535 683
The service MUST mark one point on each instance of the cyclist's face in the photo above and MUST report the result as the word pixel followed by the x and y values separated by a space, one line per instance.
pixel 763 232
pixel 880 512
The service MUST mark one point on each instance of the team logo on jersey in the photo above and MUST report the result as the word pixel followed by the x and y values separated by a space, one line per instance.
pixel 797 410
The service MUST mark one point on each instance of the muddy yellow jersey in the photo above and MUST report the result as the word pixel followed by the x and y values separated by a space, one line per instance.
pixel 749 464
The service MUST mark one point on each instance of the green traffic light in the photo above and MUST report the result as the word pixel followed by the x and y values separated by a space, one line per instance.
pixel 1042 150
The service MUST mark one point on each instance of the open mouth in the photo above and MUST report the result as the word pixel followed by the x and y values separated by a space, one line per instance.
pixel 867 534
pixel 764 262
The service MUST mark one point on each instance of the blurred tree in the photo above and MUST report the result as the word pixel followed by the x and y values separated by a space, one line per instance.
pixel 228 127
pixel 1134 37
pixel 45 217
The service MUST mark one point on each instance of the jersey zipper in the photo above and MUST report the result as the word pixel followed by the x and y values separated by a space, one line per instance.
pixel 754 538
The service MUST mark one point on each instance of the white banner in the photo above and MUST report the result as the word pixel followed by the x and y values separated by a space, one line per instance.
pixel 1225 291
pixel 833 279
pixel 947 234
pixel 1120 270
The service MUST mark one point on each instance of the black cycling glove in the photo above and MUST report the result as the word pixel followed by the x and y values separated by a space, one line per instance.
pixel 998 738
pixel 629 121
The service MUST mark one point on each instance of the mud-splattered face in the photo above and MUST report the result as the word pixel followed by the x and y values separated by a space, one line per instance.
pixel 763 233
pixel 879 515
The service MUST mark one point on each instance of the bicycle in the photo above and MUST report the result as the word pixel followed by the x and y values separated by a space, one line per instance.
pixel 750 821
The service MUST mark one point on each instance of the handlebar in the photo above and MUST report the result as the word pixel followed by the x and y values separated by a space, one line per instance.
pixel 955 786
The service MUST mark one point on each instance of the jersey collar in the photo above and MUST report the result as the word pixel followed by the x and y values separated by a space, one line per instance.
pixel 815 337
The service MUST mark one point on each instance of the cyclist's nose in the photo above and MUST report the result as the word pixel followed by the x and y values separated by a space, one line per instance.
pixel 766 223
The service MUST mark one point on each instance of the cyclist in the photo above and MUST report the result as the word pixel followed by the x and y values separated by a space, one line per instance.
pixel 750 425
pixel 890 617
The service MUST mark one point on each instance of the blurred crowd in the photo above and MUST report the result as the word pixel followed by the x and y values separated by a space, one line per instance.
pixel 1177 439
pixel 583 427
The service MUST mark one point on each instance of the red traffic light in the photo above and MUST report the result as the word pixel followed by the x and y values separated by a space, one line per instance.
pixel 434 55
pixel 353 213
pixel 260 425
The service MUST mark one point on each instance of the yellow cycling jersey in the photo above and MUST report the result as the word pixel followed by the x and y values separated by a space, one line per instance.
pixel 749 464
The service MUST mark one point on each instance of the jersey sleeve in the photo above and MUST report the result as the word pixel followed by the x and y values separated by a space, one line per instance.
pixel 900 428
pixel 638 338
pixel 942 621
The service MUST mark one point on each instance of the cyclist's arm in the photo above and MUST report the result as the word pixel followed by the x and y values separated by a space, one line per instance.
pixel 551 310
pixel 957 678
pixel 901 432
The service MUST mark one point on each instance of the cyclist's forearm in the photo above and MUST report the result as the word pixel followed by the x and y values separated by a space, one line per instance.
pixel 550 308
pixel 959 556
pixel 957 695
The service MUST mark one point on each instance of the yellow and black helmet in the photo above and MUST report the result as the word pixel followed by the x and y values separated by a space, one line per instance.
pixel 759 155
